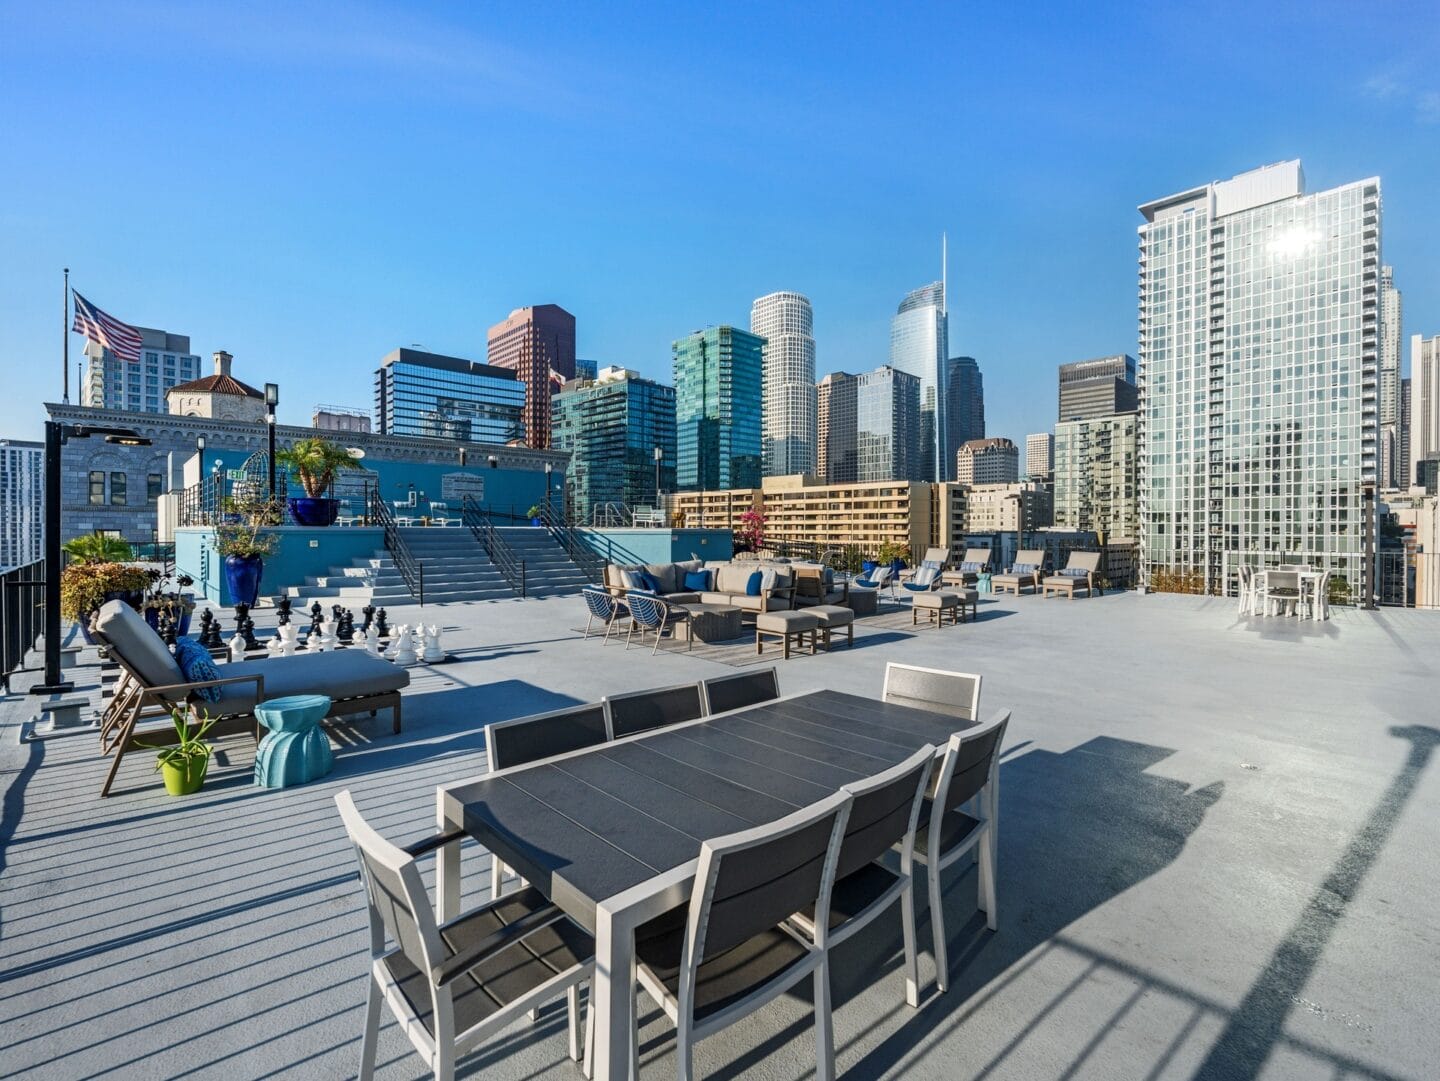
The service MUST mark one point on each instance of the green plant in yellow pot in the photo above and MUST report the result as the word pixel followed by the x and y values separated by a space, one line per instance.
pixel 185 764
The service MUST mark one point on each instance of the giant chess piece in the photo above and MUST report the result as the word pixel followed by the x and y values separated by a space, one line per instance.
pixel 372 640
pixel 248 630
pixel 369 613
pixel 210 631
pixel 433 653
pixel 394 650
pixel 165 624
pixel 237 648
pixel 346 629
pixel 380 624
pixel 405 648
pixel 282 611
pixel 317 616
pixel 289 638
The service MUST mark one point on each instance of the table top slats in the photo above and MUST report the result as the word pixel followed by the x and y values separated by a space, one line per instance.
pixel 877 742
pixel 780 734
pixel 863 716
pixel 751 754
pixel 672 807
pixel 705 756
pixel 752 804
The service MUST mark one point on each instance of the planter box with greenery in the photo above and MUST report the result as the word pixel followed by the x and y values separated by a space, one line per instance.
pixel 244 548
pixel 97 573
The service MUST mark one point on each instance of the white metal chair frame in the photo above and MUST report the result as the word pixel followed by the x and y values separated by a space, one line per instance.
pixel 441 964
pixel 440 513
pixel 967 711
pixel 680 1009
pixel 1246 590
pixel 985 836
pixel 903 888
pixel 615 607
pixel 648 613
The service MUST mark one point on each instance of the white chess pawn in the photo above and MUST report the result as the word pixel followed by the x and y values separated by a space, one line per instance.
pixel 289 640
pixel 405 648
pixel 433 652
pixel 275 647
pixel 237 648
pixel 372 640
pixel 395 633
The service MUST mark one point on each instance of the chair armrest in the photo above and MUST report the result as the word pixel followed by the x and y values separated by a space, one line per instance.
pixel 257 679
pixel 457 965
pixel 430 844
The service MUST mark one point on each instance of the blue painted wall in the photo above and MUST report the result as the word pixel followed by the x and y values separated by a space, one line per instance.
pixel 658 545
pixel 302 551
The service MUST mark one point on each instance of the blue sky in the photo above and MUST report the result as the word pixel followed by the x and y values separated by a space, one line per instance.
pixel 310 186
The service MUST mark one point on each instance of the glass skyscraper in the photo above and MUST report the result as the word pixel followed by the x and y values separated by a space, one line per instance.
pixel 964 402
pixel 786 323
pixel 611 426
pixel 717 409
pixel 888 426
pixel 1259 338
pixel 419 393
pixel 835 428
pixel 920 345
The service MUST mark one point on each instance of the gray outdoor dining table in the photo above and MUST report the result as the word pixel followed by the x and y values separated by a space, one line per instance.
pixel 611 834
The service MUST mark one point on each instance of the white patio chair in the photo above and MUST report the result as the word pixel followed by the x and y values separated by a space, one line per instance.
pixel 641 711
pixel 1315 597
pixel 885 813
pixel 1246 590
pixel 452 986
pixel 970 772
pixel 735 951
pixel 440 514
pixel 1279 592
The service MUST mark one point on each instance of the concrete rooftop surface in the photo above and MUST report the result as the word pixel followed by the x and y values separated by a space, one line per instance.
pixel 1217 860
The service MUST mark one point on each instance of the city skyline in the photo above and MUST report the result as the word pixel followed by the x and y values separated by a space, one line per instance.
pixel 315 275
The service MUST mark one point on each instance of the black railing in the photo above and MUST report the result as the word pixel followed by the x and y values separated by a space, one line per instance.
pixel 590 564
pixel 22 615
pixel 201 503
pixel 510 565
pixel 410 568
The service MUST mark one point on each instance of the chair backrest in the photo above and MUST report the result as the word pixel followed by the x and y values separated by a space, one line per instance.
pixel 880 575
pixel 970 762
pixel 977 555
pixel 394 892
pixel 1084 561
pixel 743 689
pixel 599 602
pixel 749 882
pixel 885 808
pixel 641 711
pixel 136 645
pixel 647 609
pixel 527 739
pixel 1286 579
pixel 936 557
pixel 954 693
pixel 1033 556
pixel 925 577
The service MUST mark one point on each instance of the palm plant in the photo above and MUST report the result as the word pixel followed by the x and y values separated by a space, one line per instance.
pixel 97 547
pixel 314 462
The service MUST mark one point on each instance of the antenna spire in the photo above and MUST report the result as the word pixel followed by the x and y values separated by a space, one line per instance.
pixel 944 273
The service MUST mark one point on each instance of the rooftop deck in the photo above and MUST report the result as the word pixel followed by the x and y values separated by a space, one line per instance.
pixel 1217 860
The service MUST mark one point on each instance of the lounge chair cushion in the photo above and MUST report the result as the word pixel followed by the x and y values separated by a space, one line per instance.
pixel 197 664
pixel 136 641
pixel 665 575
pixel 1021 569
pixel 732 578
pixel 681 598
pixel 345 673
pixel 971 567
pixel 1074 572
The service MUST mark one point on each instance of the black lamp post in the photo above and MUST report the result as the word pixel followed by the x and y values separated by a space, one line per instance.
pixel 549 468
pixel 659 457
pixel 272 399
pixel 56 436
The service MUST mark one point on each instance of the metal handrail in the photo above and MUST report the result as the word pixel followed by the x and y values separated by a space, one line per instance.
pixel 591 565
pixel 410 568
pixel 510 565
pixel 22 615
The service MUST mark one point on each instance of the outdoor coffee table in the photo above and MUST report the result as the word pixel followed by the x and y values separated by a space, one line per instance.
pixel 710 623
pixel 612 834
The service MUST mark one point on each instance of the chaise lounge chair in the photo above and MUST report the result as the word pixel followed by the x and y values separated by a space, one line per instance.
pixel 354 680
pixel 1080 571
pixel 1025 571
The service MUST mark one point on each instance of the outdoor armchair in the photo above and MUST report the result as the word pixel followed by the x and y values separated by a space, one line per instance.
pixel 605 607
pixel 1025 571
pixel 650 615
pixel 1081 571
pixel 453 985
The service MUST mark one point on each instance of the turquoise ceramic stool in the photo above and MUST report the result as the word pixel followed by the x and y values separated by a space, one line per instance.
pixel 982 583
pixel 295 750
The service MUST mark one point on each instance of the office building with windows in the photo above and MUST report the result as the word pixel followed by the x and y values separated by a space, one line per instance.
pixel 995 460
pixel 964 401
pixel 1039 456
pixel 339 418
pixel 888 427
pixel 1259 349
pixel 787 382
pixel 835 428
pixel 1018 506
pixel 1097 388
pixel 1406 470
pixel 1095 485
pixel 920 345
pixel 1392 466
pixel 138 386
pixel 717 408
pixel 1424 402
pixel 22 502
pixel 427 394
pixel 612 426
pixel 538 345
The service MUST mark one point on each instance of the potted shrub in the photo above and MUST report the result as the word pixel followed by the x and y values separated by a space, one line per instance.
pixel 314 463
pixel 894 554
pixel 244 548
pixel 184 765
pixel 534 513
pixel 178 606
pixel 84 587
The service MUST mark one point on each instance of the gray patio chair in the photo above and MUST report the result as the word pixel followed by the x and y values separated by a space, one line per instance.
pixel 453 985
pixel 722 693
pixel 735 950
pixel 885 813
pixel 970 772
pixel 1025 571
pixel 640 711
pixel 542 735
pixel 953 693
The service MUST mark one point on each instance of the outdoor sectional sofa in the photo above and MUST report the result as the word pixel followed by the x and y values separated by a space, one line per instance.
pixel 729 583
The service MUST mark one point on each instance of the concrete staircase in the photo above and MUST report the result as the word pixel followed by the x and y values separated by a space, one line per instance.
pixel 549 571
pixel 456 569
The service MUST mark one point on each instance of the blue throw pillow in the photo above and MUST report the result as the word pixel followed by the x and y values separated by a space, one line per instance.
pixel 650 583
pixel 196 664
pixel 697 581
pixel 1074 572
pixel 1023 568
pixel 752 587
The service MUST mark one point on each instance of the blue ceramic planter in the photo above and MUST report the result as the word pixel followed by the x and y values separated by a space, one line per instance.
pixel 313 512
pixel 242 578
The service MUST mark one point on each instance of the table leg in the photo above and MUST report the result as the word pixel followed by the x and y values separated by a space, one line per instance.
pixel 613 996
pixel 447 865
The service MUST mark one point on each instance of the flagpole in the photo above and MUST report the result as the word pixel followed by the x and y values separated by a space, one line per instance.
pixel 65 340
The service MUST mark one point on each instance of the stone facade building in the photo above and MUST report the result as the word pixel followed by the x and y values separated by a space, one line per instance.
pixel 220 396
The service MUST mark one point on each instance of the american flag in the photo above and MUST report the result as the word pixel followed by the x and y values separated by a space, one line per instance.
pixel 121 339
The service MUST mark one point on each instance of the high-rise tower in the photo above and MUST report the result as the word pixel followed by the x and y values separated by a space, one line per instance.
pixel 536 343
pixel 1392 468
pixel 786 322
pixel 920 345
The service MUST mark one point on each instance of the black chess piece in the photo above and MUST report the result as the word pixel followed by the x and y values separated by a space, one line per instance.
pixel 166 627
pixel 282 611
pixel 247 632
pixel 369 613
pixel 381 627
pixel 346 631
pixel 242 612
pixel 317 614
pixel 210 631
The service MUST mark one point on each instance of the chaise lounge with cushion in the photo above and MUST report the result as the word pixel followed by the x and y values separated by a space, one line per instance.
pixel 1079 572
pixel 1025 571
pixel 354 681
